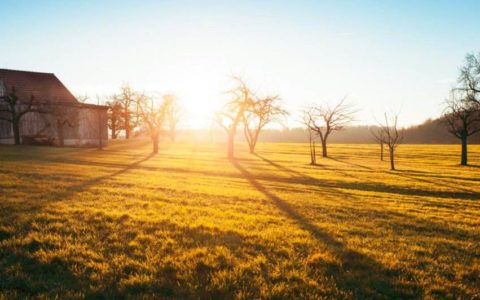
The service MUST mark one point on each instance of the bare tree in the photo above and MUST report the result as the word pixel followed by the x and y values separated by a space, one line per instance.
pixel 324 120
pixel 174 115
pixel 99 124
pixel 13 109
pixel 154 117
pixel 115 119
pixel 307 120
pixel 462 118
pixel 259 113
pixel 230 116
pixel 129 102
pixel 469 78
pixel 392 136
pixel 379 136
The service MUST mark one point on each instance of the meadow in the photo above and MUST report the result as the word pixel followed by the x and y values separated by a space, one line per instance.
pixel 189 223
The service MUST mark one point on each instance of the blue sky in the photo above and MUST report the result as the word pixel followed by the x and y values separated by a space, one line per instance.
pixel 400 56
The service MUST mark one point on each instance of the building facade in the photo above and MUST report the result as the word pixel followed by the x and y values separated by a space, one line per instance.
pixel 49 113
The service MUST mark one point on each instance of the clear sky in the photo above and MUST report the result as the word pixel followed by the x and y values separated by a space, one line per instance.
pixel 384 55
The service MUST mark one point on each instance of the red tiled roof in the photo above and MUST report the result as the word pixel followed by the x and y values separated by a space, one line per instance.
pixel 45 87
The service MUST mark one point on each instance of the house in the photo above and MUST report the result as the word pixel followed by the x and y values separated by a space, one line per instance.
pixel 36 108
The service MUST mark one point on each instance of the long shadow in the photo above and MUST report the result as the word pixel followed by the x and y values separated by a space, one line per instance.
pixel 73 189
pixel 464 194
pixel 436 175
pixel 383 188
pixel 280 167
pixel 471 166
pixel 441 183
pixel 36 202
pixel 350 163
pixel 371 186
pixel 300 177
pixel 358 274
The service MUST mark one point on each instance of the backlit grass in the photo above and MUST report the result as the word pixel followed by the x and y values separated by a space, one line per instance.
pixel 188 223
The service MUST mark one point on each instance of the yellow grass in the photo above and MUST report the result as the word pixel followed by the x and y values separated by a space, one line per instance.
pixel 188 223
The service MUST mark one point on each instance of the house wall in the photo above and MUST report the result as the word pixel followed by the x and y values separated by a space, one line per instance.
pixel 87 128
pixel 6 133
pixel 37 124
pixel 92 127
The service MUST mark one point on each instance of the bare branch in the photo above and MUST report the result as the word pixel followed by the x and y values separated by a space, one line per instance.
pixel 324 119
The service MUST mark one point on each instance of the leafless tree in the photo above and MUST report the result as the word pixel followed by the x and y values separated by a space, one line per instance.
pixel 392 136
pixel 259 113
pixel 230 116
pixel 379 136
pixel 174 115
pixel 153 116
pixel 324 120
pixel 307 120
pixel 100 120
pixel 462 118
pixel 129 100
pixel 469 78
pixel 115 117
pixel 13 109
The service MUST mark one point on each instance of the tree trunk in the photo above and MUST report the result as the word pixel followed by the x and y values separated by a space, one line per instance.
pixel 392 159
pixel 311 151
pixel 114 128
pixel 99 120
pixel 155 144
pixel 464 161
pixel 16 131
pixel 127 125
pixel 252 145
pixel 230 146
pixel 324 148
pixel 381 151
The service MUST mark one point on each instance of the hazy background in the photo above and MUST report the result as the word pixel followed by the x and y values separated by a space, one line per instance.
pixel 400 55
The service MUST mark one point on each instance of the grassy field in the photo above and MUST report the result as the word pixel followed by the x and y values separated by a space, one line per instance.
pixel 188 223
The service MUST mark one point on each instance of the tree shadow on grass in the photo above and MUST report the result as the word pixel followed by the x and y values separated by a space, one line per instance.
pixel 371 186
pixel 279 166
pixel 70 191
pixel 351 164
pixel 464 193
pixel 358 274
pixel 405 174
pixel 299 176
